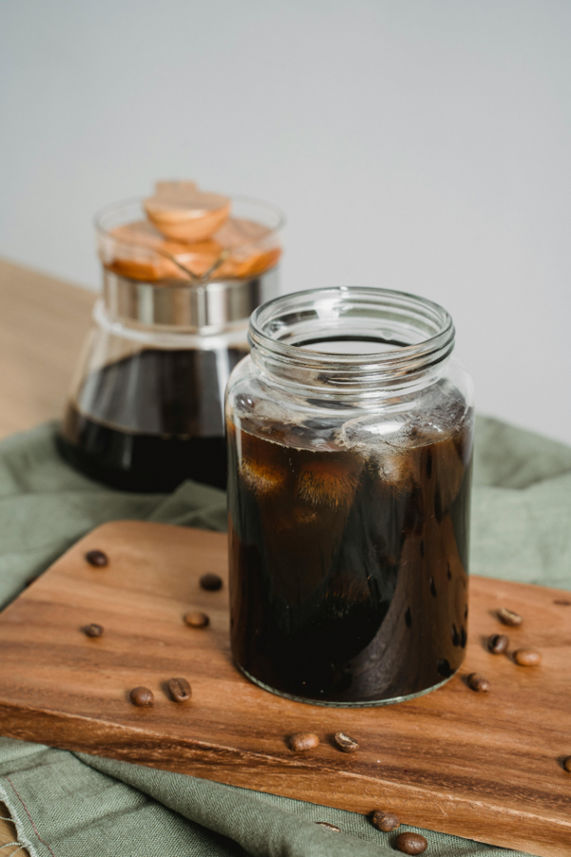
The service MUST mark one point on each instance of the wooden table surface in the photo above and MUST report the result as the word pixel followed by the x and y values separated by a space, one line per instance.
pixel 43 324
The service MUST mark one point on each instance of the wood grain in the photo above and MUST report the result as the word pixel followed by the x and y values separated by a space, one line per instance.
pixel 43 323
pixel 485 766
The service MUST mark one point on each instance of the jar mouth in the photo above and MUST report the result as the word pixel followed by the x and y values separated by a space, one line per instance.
pixel 369 333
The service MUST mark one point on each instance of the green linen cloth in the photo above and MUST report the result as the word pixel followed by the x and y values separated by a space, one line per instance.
pixel 72 805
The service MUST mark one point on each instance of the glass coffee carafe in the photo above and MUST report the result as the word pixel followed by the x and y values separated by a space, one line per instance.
pixel 146 405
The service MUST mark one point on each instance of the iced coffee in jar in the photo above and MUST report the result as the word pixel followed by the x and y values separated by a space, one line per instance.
pixel 349 433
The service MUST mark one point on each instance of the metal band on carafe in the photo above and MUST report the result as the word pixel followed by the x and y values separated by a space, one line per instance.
pixel 196 308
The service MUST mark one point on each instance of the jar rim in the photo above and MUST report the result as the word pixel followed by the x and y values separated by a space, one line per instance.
pixel 272 322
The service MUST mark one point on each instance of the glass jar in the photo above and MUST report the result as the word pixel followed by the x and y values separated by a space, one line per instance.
pixel 349 446
pixel 146 406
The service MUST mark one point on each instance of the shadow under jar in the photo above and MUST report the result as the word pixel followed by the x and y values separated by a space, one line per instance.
pixel 349 452
pixel 146 409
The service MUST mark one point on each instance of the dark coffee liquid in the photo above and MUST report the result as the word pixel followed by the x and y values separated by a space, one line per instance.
pixel 348 564
pixel 152 420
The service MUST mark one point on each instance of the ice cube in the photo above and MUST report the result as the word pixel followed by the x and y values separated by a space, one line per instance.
pixel 396 467
pixel 329 481
pixel 368 433
pixel 386 443
pixel 263 478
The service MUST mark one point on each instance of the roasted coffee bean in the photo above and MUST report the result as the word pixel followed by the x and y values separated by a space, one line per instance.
pixel 344 742
pixel 93 630
pixel 509 617
pixel 385 821
pixel 444 668
pixel 498 643
pixel 527 657
pixel 179 689
pixel 300 742
pixel 567 764
pixel 329 826
pixel 411 843
pixel 141 696
pixel 210 581
pixel 478 683
pixel 97 558
pixel 195 619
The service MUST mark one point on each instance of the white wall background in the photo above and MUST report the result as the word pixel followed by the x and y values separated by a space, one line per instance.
pixel 418 144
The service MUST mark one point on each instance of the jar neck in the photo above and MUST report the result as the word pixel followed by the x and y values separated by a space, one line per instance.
pixel 351 341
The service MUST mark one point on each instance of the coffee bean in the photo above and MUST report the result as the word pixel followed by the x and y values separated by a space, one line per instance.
pixel 527 657
pixel 411 843
pixel 97 558
pixel 567 764
pixel 195 619
pixel 300 742
pixel 345 742
pixel 329 826
pixel 385 821
pixel 478 683
pixel 93 630
pixel 179 689
pixel 509 617
pixel 211 582
pixel 444 668
pixel 141 696
pixel 498 643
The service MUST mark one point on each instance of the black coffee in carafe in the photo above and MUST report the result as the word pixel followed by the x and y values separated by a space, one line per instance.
pixel 154 419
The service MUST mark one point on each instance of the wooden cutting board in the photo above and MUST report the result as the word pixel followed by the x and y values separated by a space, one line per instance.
pixel 485 766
